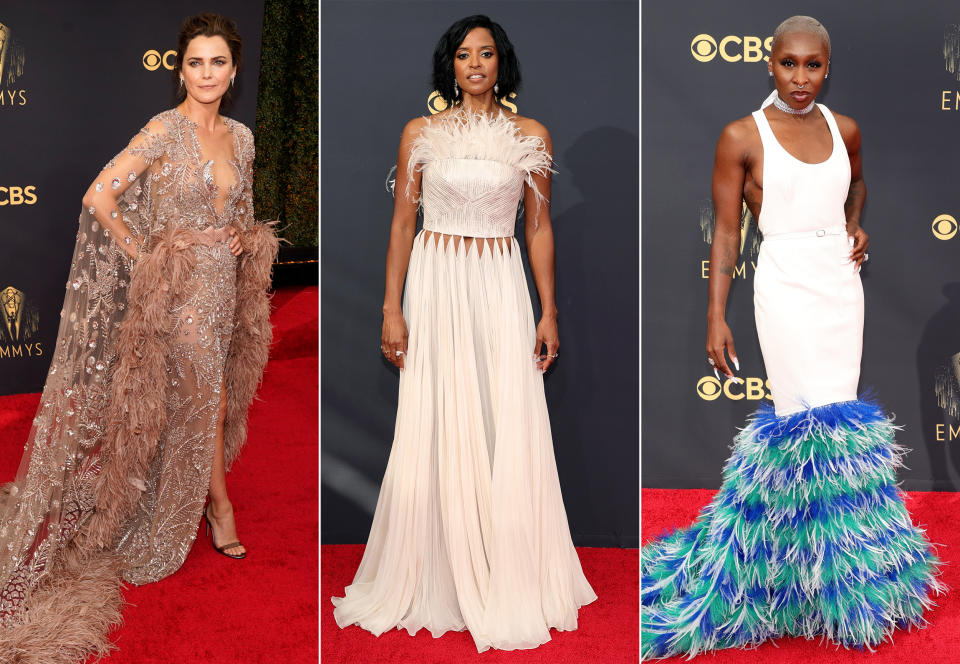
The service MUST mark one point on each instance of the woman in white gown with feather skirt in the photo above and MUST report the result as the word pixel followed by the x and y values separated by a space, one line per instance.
pixel 470 530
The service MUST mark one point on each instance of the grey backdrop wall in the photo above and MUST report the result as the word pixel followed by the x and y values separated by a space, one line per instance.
pixel 581 81
pixel 77 82
pixel 897 73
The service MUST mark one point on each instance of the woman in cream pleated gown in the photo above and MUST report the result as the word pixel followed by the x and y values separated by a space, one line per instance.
pixel 470 530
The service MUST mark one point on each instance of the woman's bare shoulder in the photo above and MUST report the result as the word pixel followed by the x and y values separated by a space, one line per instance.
pixel 742 131
pixel 849 130
pixel 528 126
pixel 738 141
pixel 413 127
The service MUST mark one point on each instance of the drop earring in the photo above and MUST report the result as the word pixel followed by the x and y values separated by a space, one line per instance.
pixel 770 72
pixel 231 81
pixel 181 81
pixel 496 88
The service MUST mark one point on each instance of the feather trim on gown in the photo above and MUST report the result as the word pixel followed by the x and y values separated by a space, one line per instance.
pixel 117 463
pixel 808 536
pixel 470 530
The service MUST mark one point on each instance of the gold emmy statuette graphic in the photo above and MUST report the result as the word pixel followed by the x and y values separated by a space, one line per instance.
pixel 747 222
pixel 4 47
pixel 946 387
pixel 11 65
pixel 951 49
pixel 20 322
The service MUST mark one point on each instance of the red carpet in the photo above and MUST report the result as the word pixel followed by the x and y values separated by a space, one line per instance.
pixel 607 632
pixel 264 608
pixel 937 512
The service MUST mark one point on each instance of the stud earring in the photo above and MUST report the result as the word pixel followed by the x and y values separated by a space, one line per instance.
pixel 770 72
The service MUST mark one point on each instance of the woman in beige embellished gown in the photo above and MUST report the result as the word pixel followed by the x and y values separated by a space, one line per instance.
pixel 163 339
pixel 470 531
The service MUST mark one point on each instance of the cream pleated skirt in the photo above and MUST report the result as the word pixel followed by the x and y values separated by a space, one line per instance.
pixel 470 531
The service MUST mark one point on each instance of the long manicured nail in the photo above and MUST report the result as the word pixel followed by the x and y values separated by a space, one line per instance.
pixel 715 373
pixel 736 364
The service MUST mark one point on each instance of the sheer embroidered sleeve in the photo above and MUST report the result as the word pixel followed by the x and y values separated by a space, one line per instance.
pixel 244 220
pixel 120 173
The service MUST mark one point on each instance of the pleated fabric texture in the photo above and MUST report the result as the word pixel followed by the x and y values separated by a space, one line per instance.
pixel 470 529
pixel 808 536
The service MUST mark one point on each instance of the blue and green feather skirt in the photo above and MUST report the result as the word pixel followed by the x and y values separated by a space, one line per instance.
pixel 808 536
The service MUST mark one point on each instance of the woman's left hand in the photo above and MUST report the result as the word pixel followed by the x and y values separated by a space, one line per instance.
pixel 236 248
pixel 860 243
pixel 547 335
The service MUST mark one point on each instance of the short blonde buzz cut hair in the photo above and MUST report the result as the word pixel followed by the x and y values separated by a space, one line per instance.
pixel 806 24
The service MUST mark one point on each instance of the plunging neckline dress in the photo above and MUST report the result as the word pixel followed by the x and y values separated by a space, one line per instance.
pixel 116 469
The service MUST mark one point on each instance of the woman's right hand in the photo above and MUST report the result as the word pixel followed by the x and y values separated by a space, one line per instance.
pixel 719 337
pixel 393 340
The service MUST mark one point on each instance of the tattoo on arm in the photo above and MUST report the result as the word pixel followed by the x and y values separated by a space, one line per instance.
pixel 853 195
pixel 726 262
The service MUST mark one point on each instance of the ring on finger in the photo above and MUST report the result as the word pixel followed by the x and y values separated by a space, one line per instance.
pixel 398 353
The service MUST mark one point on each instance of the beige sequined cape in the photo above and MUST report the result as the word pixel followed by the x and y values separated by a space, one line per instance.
pixel 117 464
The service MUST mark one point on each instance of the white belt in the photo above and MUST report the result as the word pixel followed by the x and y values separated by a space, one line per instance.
pixel 820 232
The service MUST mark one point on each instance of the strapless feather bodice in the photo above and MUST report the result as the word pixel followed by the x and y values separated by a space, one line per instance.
pixel 474 168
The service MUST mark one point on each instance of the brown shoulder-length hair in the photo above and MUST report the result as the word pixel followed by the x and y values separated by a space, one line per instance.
pixel 207 25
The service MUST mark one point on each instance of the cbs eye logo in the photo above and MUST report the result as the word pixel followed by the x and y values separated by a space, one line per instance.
pixel 731 48
pixel 703 48
pixel 944 227
pixel 153 60
pixel 752 389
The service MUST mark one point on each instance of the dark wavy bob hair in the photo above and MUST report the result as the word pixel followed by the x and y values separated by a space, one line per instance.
pixel 508 67
pixel 207 25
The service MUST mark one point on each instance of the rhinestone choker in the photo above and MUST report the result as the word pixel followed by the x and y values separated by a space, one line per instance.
pixel 786 108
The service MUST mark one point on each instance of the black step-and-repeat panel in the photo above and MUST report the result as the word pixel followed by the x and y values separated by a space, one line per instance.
pixel 77 81
pixel 897 73
pixel 579 62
